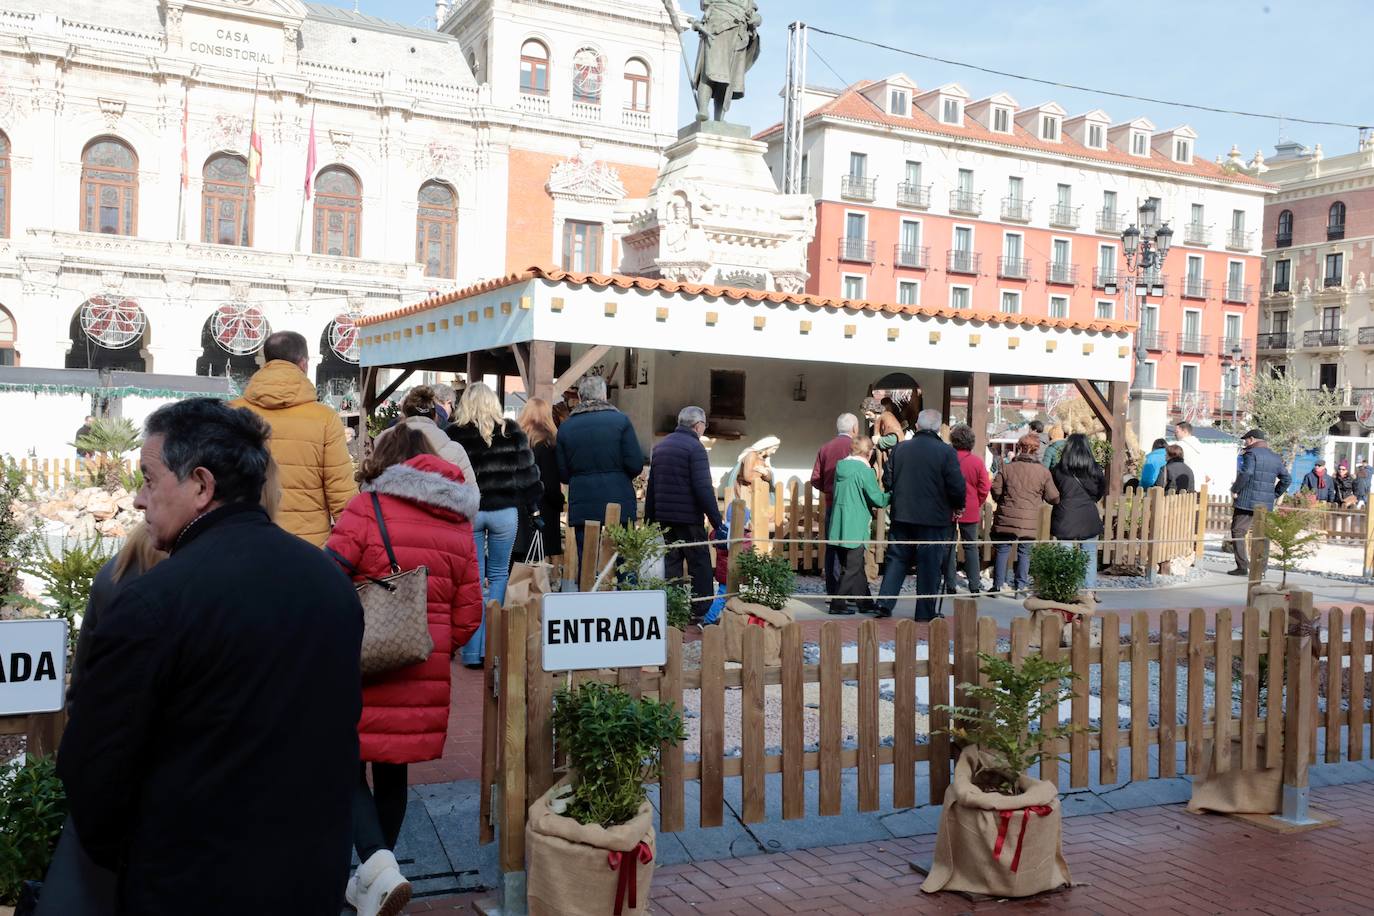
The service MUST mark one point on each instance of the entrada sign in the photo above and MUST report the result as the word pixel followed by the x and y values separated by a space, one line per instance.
pixel 585 630
pixel 33 666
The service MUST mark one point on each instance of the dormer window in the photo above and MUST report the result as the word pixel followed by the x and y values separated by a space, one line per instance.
pixel 1140 143
pixel 899 103
pixel 951 111
pixel 1183 150
pixel 1049 128
pixel 1001 120
pixel 1096 136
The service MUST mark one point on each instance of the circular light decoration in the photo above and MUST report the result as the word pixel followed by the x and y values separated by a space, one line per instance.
pixel 239 328
pixel 588 73
pixel 343 338
pixel 113 323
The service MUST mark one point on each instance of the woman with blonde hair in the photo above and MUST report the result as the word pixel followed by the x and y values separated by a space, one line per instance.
pixel 536 420
pixel 505 472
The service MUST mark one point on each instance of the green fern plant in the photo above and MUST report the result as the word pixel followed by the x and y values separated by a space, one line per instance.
pixel 67 575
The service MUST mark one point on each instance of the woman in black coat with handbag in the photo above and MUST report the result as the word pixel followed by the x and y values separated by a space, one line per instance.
pixel 536 420
pixel 1081 485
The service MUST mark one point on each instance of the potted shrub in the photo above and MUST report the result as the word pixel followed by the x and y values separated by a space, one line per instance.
pixel 33 806
pixel 640 568
pixel 1000 830
pixel 590 839
pixel 765 582
pixel 1057 574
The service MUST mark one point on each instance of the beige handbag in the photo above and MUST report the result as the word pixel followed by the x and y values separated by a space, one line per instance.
pixel 395 611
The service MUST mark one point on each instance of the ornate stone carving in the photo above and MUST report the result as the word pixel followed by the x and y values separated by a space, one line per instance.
pixel 227 131
pixel 111 110
pixel 585 181
pixel 790 283
pixel 1360 284
pixel 112 281
pixel 743 279
pixel 341 140
pixel 238 291
pixel 684 273
pixel 1307 286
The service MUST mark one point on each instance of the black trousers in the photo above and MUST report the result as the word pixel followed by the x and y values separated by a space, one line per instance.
pixel 830 563
pixel 973 560
pixel 697 560
pixel 378 813
pixel 853 576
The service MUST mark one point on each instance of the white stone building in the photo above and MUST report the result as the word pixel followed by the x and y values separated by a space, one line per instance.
pixel 132 238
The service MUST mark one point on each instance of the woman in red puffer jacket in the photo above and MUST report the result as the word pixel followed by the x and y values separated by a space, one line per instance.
pixel 428 510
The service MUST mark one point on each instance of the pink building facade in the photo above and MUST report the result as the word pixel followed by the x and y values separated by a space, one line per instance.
pixel 931 198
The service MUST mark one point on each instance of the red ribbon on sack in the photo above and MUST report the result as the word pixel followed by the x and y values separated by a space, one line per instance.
pixel 757 620
pixel 1069 616
pixel 1005 818
pixel 628 863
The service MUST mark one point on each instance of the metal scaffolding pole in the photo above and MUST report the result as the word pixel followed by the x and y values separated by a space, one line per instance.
pixel 794 110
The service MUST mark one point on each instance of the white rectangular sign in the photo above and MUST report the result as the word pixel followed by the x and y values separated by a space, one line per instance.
pixel 584 630
pixel 33 666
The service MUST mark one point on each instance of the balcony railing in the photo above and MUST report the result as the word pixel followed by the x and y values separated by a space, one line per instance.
pixel 1282 286
pixel 1327 337
pixel 1152 339
pixel 636 118
pixel 586 111
pixel 1013 268
pixel 856 249
pixel 1112 221
pixel 858 187
pixel 1283 239
pixel 1105 275
pixel 1237 292
pixel 1365 337
pixel 1333 280
pixel 1274 340
pixel 1238 239
pixel 965 202
pixel 962 262
pixel 913 195
pixel 1197 234
pixel 1195 288
pixel 1059 272
pixel 1231 345
pixel 1190 401
pixel 1194 344
pixel 1065 216
pixel 916 256
pixel 1013 208
pixel 1335 231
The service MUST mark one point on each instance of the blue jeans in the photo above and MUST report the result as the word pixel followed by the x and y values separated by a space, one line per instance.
pixel 1089 546
pixel 1021 577
pixel 494 534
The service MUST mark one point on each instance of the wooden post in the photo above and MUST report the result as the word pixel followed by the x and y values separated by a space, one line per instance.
pixel 1154 552
pixel 512 778
pixel 591 541
pixel 736 545
pixel 1298 716
pixel 540 368
pixel 759 515
pixel 1201 522
pixel 1042 529
pixel 978 411
pixel 1369 539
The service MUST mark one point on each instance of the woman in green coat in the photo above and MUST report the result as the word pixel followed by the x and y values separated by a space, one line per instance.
pixel 851 523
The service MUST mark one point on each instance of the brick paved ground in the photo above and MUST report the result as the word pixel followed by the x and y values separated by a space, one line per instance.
pixel 1150 860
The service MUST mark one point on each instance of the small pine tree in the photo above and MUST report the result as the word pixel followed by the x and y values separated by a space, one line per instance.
pixel 1294 530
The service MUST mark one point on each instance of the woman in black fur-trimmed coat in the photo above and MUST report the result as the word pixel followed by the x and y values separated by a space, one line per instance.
pixel 509 481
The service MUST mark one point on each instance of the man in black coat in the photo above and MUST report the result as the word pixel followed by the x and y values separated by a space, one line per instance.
pixel 598 458
pixel 212 752
pixel 679 496
pixel 928 494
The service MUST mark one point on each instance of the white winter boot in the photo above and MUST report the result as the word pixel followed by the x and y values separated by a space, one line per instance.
pixel 351 892
pixel 382 889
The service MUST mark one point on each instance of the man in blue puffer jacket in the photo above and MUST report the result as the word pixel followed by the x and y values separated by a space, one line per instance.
pixel 1261 480
pixel 598 458
pixel 680 496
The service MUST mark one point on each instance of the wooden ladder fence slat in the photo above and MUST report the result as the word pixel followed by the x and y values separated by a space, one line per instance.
pixel 492 722
pixel 868 716
pixel 1355 745
pixel 1275 666
pixel 1335 655
pixel 938 656
pixel 904 715
pixel 793 725
pixel 671 791
pixel 1078 741
pixel 712 726
pixel 1249 689
pixel 1111 686
pixel 1168 694
pixel 1196 725
pixel 1221 715
pixel 1140 697
pixel 831 719
pixel 1049 720
pixel 751 727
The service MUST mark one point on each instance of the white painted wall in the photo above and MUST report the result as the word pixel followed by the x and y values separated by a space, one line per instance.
pixel 41 425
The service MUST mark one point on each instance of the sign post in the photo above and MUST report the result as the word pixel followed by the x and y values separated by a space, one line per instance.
pixel 33 666
pixel 588 630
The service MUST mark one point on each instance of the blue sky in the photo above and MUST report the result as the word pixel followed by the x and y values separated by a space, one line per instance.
pixel 1299 58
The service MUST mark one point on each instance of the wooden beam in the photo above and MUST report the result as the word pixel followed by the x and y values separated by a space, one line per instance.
pixel 391 389
pixel 522 363
pixel 540 362
pixel 474 370
pixel 1116 435
pixel 978 411
pixel 1099 405
pixel 580 367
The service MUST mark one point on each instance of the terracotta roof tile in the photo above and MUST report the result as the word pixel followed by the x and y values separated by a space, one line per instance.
pixel 851 105
pixel 620 281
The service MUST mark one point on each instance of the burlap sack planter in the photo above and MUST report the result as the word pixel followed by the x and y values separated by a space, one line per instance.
pixel 998 845
pixel 1237 791
pixel 1067 612
pixel 581 870
pixel 1265 598
pixel 739 615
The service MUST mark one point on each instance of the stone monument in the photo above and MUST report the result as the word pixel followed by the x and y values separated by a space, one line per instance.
pixel 715 214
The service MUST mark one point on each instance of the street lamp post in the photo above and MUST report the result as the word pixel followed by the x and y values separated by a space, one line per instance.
pixel 1236 360
pixel 1145 248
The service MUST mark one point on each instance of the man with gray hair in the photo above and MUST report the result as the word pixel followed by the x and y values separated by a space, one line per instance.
pixel 444 398
pixel 928 494
pixel 679 496
pixel 598 457
pixel 823 479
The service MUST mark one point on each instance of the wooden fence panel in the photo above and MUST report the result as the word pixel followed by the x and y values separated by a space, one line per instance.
pixel 1196 724
pixel 1335 654
pixel 904 715
pixel 1078 741
pixel 831 715
pixel 868 715
pixel 793 725
pixel 1140 697
pixel 1111 667
pixel 1355 745
pixel 712 725
pixel 751 726
pixel 1221 716
pixel 671 791
pixel 1168 694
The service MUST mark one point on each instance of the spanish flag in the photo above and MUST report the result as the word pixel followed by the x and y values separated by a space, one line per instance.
pixel 255 140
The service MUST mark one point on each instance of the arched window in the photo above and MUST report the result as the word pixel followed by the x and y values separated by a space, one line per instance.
pixel 4 186
pixel 534 68
pixel 109 188
pixel 338 212
pixel 589 71
pixel 1284 236
pixel 7 337
pixel 225 198
pixel 636 85
pixel 108 332
pixel 436 229
pixel 1335 221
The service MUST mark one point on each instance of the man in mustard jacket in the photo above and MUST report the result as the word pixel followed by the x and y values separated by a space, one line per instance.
pixel 307 441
